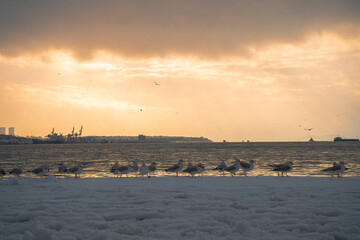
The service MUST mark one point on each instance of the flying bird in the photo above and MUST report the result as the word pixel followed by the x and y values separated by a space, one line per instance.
pixel 308 129
pixel 157 84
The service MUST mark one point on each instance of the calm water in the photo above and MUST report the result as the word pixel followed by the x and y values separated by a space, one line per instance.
pixel 308 158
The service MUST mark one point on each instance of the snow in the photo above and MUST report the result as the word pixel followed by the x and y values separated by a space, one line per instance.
pixel 180 208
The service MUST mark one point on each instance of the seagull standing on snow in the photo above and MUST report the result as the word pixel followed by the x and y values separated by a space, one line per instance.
pixel 144 170
pixel 192 170
pixel 16 171
pixel 189 166
pixel 247 167
pixel 114 169
pixel 125 170
pixel 77 170
pixel 62 168
pixel 283 168
pixel 233 168
pixel 135 167
pixel 176 168
pixel 221 167
pixel 2 172
pixel 41 171
pixel 152 168
pixel 336 169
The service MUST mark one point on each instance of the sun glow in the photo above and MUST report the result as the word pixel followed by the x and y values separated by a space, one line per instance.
pixel 216 98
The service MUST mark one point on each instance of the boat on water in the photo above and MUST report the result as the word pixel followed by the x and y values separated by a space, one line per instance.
pixel 339 139
pixel 311 140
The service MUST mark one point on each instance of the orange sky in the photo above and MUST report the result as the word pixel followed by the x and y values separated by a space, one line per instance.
pixel 233 70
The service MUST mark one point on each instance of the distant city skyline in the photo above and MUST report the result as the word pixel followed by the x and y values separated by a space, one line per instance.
pixel 226 70
pixel 11 131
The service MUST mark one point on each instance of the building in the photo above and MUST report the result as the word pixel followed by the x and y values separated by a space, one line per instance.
pixel 2 130
pixel 11 131
pixel 141 137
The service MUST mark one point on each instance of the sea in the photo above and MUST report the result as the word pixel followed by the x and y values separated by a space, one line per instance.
pixel 309 158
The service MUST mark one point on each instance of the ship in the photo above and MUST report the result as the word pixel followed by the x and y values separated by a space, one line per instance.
pixel 339 139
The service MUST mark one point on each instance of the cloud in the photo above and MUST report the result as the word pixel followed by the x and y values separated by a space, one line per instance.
pixel 145 29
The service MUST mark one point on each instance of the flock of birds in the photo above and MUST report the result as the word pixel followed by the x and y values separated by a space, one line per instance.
pixel 146 170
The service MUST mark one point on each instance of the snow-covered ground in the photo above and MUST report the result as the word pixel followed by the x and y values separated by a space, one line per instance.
pixel 180 208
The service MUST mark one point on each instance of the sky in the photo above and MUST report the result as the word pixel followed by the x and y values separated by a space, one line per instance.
pixel 226 70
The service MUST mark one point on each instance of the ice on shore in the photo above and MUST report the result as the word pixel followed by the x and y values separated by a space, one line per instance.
pixel 180 208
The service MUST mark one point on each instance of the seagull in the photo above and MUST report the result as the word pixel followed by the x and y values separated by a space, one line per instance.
pixel 2 172
pixel 16 171
pixel 283 168
pixel 176 168
pixel 41 171
pixel 233 168
pixel 114 169
pixel 247 167
pixel 152 167
pixel 189 166
pixel 221 167
pixel 336 169
pixel 144 170
pixel 77 170
pixel 192 170
pixel 157 84
pixel 308 129
pixel 135 167
pixel 62 168
pixel 125 170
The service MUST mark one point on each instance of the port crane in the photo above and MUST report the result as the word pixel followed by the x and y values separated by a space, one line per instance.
pixel 75 134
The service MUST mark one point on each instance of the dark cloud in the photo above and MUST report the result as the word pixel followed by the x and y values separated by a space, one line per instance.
pixel 134 28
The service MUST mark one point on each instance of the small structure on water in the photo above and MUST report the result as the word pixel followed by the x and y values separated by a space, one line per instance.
pixel 339 139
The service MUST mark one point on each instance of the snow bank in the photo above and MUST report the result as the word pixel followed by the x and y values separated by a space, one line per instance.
pixel 180 208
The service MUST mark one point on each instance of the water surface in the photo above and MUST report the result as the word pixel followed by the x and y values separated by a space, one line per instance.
pixel 309 158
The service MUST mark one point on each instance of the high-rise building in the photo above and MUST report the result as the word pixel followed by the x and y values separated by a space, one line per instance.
pixel 11 131
pixel 2 130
